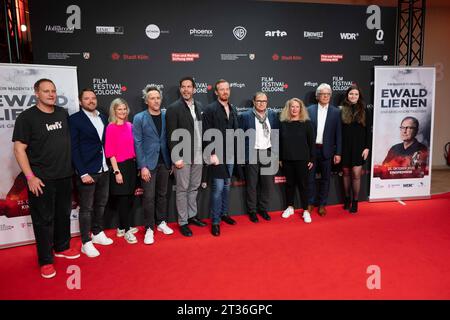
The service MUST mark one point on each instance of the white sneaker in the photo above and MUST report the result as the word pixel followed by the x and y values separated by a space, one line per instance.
pixel 134 230
pixel 120 233
pixel 148 239
pixel 288 212
pixel 130 237
pixel 89 250
pixel 306 217
pixel 164 228
pixel 102 239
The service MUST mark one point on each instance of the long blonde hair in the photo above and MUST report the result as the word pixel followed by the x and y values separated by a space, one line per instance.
pixel 112 109
pixel 285 114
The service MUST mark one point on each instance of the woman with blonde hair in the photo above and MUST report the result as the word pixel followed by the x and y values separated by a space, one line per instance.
pixel 296 153
pixel 119 148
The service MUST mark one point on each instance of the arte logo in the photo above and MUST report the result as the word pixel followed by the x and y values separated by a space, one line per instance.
pixel 269 84
pixel 276 33
pixel 349 36
pixel 205 33
pixel 185 57
pixel 340 84
pixel 153 32
pixel 108 30
pixel 239 32
pixel 374 23
pixel 73 21
pixel 277 57
pixel 202 87
pixel 102 87
pixel 313 35
pixel 331 57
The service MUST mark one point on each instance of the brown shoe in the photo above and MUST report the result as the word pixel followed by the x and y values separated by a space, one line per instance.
pixel 322 211
pixel 310 208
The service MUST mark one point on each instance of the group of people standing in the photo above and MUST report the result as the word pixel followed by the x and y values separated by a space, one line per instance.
pixel 109 157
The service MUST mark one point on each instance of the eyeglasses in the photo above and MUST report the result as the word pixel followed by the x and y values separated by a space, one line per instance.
pixel 407 128
pixel 261 101
pixel 325 94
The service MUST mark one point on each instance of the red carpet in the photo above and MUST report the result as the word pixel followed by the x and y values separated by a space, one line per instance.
pixel 280 259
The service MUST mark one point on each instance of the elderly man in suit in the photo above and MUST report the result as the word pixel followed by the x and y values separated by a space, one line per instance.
pixel 153 160
pixel 263 121
pixel 87 131
pixel 326 120
pixel 184 117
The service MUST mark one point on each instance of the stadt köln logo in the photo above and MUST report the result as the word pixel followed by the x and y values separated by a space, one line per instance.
pixel 239 32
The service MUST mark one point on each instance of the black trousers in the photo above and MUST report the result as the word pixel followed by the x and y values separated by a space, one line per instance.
pixel 125 209
pixel 297 174
pixel 50 214
pixel 155 196
pixel 93 199
pixel 258 187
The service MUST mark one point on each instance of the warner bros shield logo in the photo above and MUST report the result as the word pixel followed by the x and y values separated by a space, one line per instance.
pixel 239 32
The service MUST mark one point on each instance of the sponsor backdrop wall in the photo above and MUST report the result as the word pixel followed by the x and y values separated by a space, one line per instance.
pixel 16 95
pixel 283 49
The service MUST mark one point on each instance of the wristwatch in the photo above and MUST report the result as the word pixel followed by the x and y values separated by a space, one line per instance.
pixel 116 172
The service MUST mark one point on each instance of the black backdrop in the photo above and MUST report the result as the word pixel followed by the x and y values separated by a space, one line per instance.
pixel 284 49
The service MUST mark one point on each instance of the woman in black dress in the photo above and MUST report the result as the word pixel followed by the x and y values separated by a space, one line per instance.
pixel 296 153
pixel 356 142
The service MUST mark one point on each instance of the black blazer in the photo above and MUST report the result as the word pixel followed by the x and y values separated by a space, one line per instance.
pixel 178 116
pixel 215 117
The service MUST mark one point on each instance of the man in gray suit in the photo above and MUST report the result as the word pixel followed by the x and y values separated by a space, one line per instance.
pixel 184 117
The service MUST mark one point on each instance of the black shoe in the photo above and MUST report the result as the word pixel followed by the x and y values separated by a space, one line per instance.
pixel 347 203
pixel 264 215
pixel 227 219
pixel 253 217
pixel 185 231
pixel 197 222
pixel 215 230
pixel 354 208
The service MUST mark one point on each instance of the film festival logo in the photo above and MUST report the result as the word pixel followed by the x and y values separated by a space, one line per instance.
pixel 269 84
pixel 340 84
pixel 239 32
pixel 102 87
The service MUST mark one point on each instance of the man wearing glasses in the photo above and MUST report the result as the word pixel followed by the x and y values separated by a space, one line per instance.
pixel 326 120
pixel 262 121
pixel 410 152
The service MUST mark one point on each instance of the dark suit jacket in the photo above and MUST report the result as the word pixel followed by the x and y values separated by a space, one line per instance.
pixel 178 116
pixel 87 148
pixel 332 134
pixel 147 143
pixel 247 121
pixel 215 117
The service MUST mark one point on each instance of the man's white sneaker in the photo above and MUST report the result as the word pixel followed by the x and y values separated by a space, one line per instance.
pixel 134 230
pixel 130 237
pixel 288 212
pixel 148 239
pixel 89 250
pixel 306 217
pixel 120 233
pixel 164 228
pixel 102 239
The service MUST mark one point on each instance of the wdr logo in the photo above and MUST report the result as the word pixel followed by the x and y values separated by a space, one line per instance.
pixel 349 36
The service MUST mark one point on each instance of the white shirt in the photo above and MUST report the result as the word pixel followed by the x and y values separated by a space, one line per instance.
pixel 99 126
pixel 191 106
pixel 262 142
pixel 321 118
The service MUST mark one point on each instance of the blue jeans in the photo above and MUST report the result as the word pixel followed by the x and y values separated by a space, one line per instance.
pixel 220 191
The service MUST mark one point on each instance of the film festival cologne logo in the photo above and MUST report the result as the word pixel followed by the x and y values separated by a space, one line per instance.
pixel 105 87
pixel 270 84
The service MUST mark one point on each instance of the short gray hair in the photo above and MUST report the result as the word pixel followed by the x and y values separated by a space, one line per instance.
pixel 149 88
pixel 321 87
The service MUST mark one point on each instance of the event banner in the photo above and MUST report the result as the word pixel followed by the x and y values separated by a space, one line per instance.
pixel 16 95
pixel 402 133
